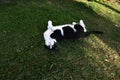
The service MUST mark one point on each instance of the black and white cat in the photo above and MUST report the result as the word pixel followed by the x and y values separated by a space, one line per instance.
pixel 67 31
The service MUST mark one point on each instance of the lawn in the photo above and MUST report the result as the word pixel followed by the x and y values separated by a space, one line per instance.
pixel 22 52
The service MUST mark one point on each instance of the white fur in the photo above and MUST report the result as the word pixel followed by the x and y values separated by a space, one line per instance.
pixel 50 26
pixel 48 40
pixel 74 23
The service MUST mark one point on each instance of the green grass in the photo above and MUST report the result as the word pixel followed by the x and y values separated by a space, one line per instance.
pixel 22 52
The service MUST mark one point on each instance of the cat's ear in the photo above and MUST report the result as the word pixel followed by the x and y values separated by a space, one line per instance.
pixel 74 23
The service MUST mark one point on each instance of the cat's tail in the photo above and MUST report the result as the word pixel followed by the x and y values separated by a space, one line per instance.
pixel 92 32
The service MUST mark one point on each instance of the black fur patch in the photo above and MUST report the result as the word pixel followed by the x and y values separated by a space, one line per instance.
pixel 56 34
pixel 79 31
pixel 78 28
pixel 68 32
